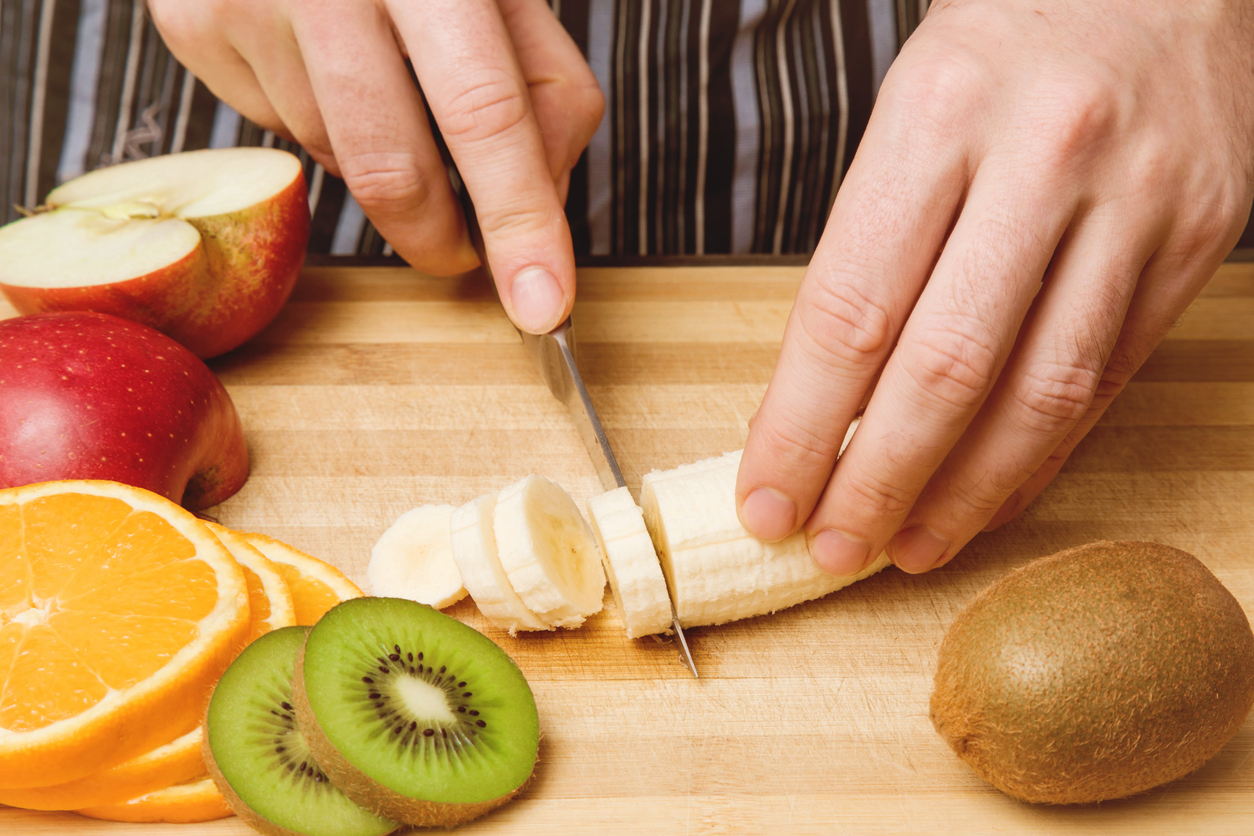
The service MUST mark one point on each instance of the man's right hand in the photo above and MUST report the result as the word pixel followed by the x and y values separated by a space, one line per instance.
pixel 513 98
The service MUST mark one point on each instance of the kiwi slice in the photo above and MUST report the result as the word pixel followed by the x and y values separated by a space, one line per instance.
pixel 257 757
pixel 414 714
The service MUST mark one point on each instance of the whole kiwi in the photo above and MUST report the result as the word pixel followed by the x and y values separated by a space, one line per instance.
pixel 1095 673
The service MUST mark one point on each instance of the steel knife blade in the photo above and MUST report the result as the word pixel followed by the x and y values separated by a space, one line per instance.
pixel 554 357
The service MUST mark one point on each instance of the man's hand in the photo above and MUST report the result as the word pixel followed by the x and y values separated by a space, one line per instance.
pixel 512 96
pixel 1043 188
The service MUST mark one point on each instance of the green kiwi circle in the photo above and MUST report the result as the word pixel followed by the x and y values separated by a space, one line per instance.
pixel 355 660
pixel 255 747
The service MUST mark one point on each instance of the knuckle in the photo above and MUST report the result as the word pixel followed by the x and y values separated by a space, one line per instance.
pixel 505 222
pixel 1055 396
pixel 488 105
pixel 796 444
pixel 1151 164
pixel 585 97
pixel 176 22
pixel 883 499
pixel 843 324
pixel 980 497
pixel 385 181
pixel 938 91
pixel 1115 377
pixel 952 367
pixel 1068 120
pixel 1216 212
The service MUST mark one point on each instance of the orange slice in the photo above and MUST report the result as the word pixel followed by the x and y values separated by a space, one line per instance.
pixel 316 585
pixel 269 597
pixel 270 607
pixel 194 801
pixel 118 612
pixel 175 762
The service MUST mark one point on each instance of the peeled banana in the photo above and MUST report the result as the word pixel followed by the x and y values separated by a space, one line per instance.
pixel 718 572
pixel 630 563
pixel 474 551
pixel 548 552
pixel 531 561
pixel 414 559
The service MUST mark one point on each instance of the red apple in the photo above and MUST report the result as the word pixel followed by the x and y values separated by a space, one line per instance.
pixel 91 396
pixel 204 246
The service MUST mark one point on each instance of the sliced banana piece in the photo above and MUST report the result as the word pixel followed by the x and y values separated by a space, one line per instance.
pixel 548 552
pixel 414 559
pixel 474 552
pixel 717 571
pixel 631 563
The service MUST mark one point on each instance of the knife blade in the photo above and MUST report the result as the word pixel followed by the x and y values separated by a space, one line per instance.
pixel 554 357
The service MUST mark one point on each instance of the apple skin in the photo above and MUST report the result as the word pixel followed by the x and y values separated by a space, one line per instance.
pixel 216 298
pixel 91 396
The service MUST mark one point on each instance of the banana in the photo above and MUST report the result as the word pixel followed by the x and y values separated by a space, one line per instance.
pixel 630 563
pixel 717 571
pixel 414 559
pixel 474 552
pixel 548 552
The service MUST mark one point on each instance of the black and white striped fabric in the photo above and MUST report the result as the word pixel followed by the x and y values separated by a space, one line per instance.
pixel 729 123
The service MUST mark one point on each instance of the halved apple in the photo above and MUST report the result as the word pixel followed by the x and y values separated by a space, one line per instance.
pixel 204 246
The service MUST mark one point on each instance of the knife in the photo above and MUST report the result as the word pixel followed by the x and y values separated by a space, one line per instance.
pixel 554 357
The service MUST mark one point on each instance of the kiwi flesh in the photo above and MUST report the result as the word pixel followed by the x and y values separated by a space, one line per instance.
pixel 257 757
pixel 413 714
pixel 1095 673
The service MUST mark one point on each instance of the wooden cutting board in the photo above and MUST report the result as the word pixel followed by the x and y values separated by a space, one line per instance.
pixel 379 389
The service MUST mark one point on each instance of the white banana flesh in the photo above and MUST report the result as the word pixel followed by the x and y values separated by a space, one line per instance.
pixel 716 570
pixel 631 563
pixel 475 553
pixel 414 559
pixel 548 552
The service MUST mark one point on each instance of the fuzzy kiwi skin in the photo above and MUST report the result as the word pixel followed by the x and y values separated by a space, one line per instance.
pixel 368 793
pixel 1095 673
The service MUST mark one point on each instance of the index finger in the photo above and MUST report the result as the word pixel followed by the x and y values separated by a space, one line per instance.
pixel 889 219
pixel 465 62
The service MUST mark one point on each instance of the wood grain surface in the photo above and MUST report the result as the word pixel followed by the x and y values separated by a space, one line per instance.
pixel 379 389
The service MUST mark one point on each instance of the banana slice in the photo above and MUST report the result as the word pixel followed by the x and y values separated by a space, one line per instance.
pixel 414 559
pixel 474 552
pixel 630 563
pixel 548 552
pixel 717 571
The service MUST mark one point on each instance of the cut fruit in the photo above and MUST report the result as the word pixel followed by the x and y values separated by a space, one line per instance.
pixel 631 564
pixel 474 551
pixel 205 246
pixel 269 599
pixel 270 607
pixel 258 758
pixel 174 762
pixel 118 611
pixel 92 396
pixel 718 572
pixel 414 714
pixel 548 552
pixel 194 801
pixel 316 585
pixel 414 559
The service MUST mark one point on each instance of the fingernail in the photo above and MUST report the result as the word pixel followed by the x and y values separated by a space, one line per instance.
pixel 768 514
pixel 537 299
pixel 838 553
pixel 917 548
